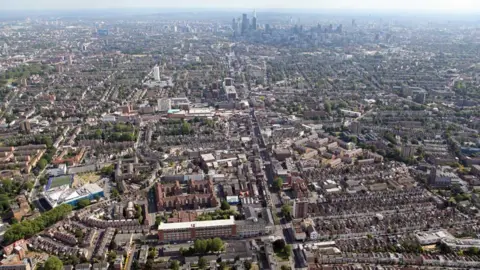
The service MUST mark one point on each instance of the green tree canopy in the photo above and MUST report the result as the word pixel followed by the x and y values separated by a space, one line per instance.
pixel 327 106
pixel 286 210
pixel 28 228
pixel 225 205
pixel 175 265
pixel 216 244
pixel 42 163
pixel 53 263
pixel 278 183
pixel 202 263
pixel 83 203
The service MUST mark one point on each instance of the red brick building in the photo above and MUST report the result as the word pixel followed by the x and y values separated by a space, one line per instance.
pixel 172 196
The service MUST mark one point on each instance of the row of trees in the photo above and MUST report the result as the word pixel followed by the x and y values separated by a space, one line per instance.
pixel 204 246
pixel 217 215
pixel 28 228
pixel 208 245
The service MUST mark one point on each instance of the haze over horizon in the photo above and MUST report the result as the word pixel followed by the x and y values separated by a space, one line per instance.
pixel 444 6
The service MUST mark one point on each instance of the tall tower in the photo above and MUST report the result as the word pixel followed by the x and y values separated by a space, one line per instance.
pixel 156 73
pixel 234 25
pixel 254 20
pixel 5 49
pixel 244 23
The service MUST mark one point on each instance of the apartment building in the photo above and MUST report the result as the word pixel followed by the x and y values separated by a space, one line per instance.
pixel 186 231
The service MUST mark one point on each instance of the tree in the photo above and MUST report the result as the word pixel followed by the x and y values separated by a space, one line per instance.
pixel 216 244
pixel 79 233
pixel 202 263
pixel 279 244
pixel 153 253
pixel 29 185
pixel 53 263
pixel 107 170
pixel 42 163
pixel 225 205
pixel 222 266
pixel 115 193
pixel 98 134
pixel 278 183
pixel 284 267
pixel 83 203
pixel 186 128
pixel 286 210
pixel 28 228
pixel 473 251
pixel 444 248
pixel 327 106
pixel 74 259
pixel 111 256
pixel 175 265
pixel 288 249
pixel 43 180
pixel 247 265
pixel 200 246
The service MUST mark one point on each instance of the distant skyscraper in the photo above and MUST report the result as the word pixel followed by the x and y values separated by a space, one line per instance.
pixel 236 26
pixel 254 20
pixel 5 49
pixel 339 28
pixel 156 73
pixel 244 23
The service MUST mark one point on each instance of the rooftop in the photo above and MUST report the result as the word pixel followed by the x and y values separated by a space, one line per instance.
pixel 197 224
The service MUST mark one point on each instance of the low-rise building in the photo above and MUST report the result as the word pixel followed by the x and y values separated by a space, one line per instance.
pixel 187 231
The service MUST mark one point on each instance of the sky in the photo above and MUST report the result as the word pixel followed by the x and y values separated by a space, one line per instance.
pixel 444 6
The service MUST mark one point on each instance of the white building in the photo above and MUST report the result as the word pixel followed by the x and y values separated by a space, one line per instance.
pixel 164 104
pixel 156 73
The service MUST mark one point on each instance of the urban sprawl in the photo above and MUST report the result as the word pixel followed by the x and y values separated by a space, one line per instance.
pixel 222 140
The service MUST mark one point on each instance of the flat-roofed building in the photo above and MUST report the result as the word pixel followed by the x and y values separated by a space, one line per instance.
pixel 186 231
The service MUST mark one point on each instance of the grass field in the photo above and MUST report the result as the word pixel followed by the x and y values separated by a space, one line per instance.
pixel 60 181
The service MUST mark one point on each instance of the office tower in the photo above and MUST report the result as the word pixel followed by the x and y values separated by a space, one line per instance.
pixel 70 59
pixel 244 23
pixel 339 28
pixel 5 49
pixel 236 26
pixel 156 73
pixel 267 28
pixel 254 20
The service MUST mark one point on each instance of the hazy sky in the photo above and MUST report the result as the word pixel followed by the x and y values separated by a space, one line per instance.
pixel 414 5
